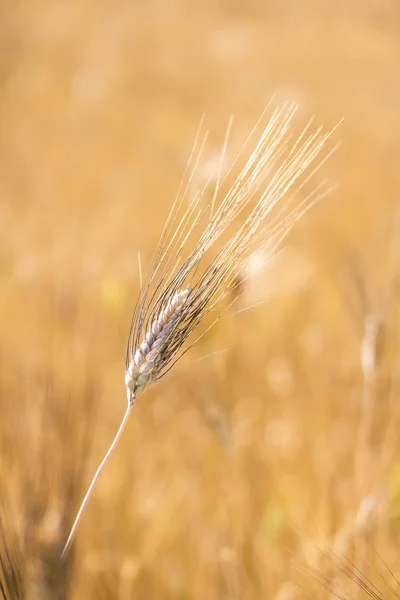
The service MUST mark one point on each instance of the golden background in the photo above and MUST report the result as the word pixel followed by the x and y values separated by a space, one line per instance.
pixel 234 467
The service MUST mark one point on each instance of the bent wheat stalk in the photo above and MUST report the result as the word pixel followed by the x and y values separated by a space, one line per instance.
pixel 190 275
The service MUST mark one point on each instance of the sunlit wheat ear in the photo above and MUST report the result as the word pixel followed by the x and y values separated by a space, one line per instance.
pixel 190 276
pixel 148 358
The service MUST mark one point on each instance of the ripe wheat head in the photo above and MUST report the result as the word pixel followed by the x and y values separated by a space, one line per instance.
pixel 191 274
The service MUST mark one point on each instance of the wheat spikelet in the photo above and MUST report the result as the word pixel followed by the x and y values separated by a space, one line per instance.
pixel 190 277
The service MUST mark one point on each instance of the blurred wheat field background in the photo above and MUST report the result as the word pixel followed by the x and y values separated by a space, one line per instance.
pixel 279 431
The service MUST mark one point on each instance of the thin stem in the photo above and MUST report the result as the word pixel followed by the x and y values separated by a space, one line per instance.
pixel 95 478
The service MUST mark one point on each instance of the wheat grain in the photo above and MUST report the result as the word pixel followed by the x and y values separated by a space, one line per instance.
pixel 189 277
pixel 148 357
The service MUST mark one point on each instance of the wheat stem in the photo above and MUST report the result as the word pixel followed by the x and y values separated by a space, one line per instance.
pixel 96 476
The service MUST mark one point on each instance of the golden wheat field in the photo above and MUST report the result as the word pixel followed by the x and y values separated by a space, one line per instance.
pixel 266 464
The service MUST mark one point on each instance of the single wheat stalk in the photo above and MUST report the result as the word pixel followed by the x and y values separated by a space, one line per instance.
pixel 190 276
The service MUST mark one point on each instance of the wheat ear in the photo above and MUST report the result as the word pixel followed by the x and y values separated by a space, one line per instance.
pixel 182 289
pixel 147 358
